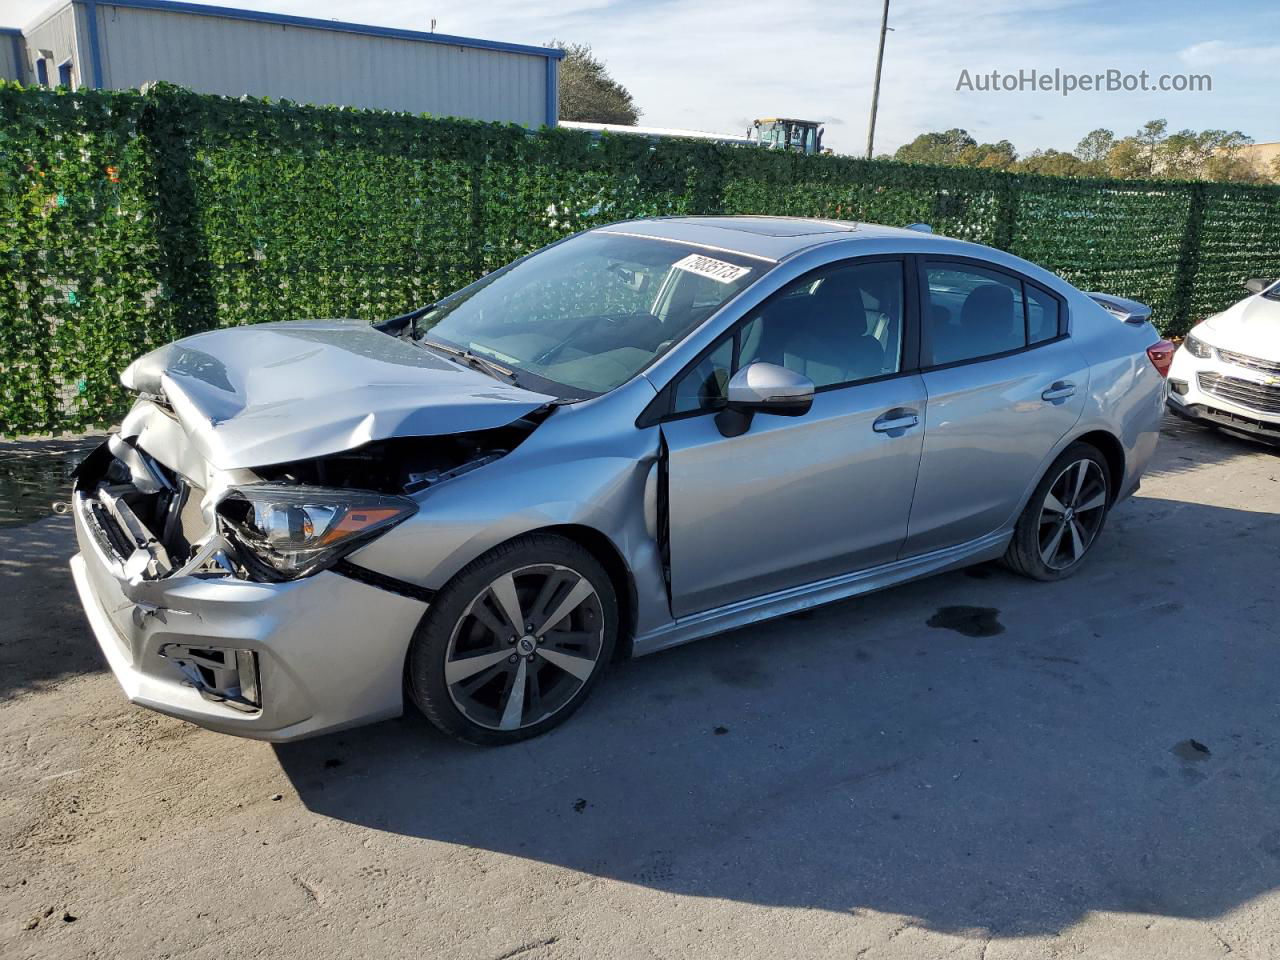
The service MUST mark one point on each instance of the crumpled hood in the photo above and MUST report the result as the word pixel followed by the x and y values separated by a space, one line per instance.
pixel 277 392
pixel 1252 326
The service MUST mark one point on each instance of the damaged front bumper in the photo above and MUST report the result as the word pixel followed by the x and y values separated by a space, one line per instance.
pixel 273 661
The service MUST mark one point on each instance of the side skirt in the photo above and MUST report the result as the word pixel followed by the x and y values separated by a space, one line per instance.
pixel 794 599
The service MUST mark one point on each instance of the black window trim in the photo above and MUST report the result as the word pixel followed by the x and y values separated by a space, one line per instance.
pixel 926 346
pixel 659 410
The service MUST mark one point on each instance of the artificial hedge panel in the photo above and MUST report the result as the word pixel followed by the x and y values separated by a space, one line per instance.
pixel 78 278
pixel 1239 238
pixel 128 219
pixel 325 212
pixel 966 204
pixel 1115 238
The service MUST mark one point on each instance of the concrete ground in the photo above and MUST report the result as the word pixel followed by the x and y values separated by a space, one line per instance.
pixel 1089 768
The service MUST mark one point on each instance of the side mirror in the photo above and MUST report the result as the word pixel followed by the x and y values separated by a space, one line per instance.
pixel 763 388
pixel 1257 284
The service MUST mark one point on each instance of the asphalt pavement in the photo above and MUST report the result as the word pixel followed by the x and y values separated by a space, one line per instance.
pixel 972 766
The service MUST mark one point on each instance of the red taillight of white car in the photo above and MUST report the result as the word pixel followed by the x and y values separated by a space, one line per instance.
pixel 1161 355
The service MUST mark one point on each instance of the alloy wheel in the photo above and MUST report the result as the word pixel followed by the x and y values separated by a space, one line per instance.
pixel 524 647
pixel 1072 514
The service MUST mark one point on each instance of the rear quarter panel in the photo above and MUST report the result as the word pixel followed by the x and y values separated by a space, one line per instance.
pixel 1126 392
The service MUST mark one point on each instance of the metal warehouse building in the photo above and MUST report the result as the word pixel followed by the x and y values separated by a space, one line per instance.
pixel 124 44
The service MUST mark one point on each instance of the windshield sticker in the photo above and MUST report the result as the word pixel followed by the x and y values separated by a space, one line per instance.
pixel 711 267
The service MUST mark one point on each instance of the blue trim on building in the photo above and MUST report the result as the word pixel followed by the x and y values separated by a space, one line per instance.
pixel 232 13
pixel 553 89
pixel 19 52
pixel 95 47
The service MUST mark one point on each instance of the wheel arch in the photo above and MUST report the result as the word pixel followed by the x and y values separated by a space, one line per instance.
pixel 600 546
pixel 1112 450
pixel 1106 443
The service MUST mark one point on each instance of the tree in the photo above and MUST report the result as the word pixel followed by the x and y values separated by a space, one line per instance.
pixel 936 148
pixel 989 156
pixel 1149 153
pixel 1136 157
pixel 1152 153
pixel 1053 163
pixel 587 91
pixel 1226 159
pixel 1148 139
pixel 955 147
pixel 1125 160
pixel 1093 149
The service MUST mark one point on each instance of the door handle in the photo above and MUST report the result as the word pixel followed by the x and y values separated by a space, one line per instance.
pixel 896 420
pixel 1059 391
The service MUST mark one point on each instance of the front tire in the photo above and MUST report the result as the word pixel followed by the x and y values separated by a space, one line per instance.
pixel 1063 517
pixel 514 643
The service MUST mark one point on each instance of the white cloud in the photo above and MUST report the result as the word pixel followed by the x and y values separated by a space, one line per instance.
pixel 1213 53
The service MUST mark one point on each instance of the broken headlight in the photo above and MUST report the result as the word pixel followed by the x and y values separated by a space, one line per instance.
pixel 286 532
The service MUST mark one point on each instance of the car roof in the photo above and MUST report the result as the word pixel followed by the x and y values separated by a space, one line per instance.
pixel 766 238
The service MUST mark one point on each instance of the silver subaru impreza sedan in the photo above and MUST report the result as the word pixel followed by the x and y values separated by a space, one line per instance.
pixel 638 436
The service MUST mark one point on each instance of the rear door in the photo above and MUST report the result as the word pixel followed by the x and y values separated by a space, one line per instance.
pixel 798 499
pixel 1005 382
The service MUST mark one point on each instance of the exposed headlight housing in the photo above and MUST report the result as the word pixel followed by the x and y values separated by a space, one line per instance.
pixel 1197 347
pixel 285 532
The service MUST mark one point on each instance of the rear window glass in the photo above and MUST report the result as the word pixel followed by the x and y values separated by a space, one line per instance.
pixel 1042 315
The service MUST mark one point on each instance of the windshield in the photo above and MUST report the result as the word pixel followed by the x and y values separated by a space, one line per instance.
pixel 590 313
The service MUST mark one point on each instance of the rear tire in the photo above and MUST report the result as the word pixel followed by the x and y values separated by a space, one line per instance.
pixel 1063 517
pixel 515 642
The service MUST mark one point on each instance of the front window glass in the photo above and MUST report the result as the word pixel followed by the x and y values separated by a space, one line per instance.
pixel 703 386
pixel 590 313
pixel 840 325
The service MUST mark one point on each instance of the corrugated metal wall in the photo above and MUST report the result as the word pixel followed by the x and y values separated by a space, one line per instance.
pixel 12 56
pixel 234 57
pixel 55 38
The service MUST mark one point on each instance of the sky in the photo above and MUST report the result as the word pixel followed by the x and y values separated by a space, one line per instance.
pixel 716 64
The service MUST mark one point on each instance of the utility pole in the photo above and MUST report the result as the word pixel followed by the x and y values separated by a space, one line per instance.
pixel 875 92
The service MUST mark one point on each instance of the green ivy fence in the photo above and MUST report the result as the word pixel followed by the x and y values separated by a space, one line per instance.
pixel 129 219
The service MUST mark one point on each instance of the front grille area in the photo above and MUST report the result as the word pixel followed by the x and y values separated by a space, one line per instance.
pixel 113 541
pixel 1235 421
pixel 1253 363
pixel 1256 396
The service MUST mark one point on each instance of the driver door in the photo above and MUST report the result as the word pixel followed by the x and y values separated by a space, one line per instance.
pixel 796 500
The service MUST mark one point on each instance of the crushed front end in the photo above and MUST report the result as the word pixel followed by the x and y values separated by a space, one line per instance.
pixel 257 639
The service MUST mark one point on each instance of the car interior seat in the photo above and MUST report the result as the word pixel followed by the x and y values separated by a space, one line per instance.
pixel 986 325
pixel 823 335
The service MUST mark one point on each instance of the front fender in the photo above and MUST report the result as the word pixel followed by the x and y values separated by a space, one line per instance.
pixel 561 475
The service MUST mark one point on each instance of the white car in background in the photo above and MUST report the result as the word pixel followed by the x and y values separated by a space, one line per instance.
pixel 1227 371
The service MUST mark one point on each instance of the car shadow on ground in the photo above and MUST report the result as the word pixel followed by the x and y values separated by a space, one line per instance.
pixel 1186 446
pixel 43 633
pixel 975 751
pixel 44 636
